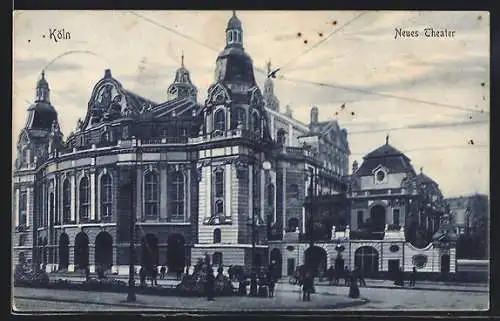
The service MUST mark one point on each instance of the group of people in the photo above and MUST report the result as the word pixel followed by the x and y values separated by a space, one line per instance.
pixel 335 275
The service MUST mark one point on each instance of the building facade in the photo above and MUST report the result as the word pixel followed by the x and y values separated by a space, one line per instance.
pixel 232 177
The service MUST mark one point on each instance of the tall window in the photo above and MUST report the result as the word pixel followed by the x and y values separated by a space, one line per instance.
pixel 270 194
pixel 219 183
pixel 106 189
pixel 217 235
pixel 219 192
pixel 23 205
pixel 256 122
pixel 360 219
pixel 51 207
pixel 176 196
pixel 395 217
pixel 66 201
pixel 84 193
pixel 152 195
pixel 220 120
pixel 217 258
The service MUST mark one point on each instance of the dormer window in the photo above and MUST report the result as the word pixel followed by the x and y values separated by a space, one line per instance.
pixel 380 176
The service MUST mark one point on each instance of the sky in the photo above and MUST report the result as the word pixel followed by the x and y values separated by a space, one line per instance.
pixel 430 95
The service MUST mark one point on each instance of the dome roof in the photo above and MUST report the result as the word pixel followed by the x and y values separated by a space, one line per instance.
pixel 385 151
pixel 234 22
pixel 387 156
pixel 42 82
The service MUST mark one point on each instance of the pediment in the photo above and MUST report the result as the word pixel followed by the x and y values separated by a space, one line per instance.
pixel 218 94
pixel 380 167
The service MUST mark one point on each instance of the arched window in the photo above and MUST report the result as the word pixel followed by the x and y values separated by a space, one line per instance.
pixel 240 117
pixel 217 235
pixel 84 197
pixel 293 191
pixel 176 196
pixel 152 195
pixel 106 189
pixel 219 207
pixel 281 136
pixel 270 194
pixel 256 122
pixel 66 210
pixel 220 120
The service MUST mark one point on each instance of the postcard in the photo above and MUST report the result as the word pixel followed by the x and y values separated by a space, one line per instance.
pixel 250 161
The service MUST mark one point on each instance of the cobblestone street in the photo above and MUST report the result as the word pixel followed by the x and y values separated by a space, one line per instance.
pixel 440 297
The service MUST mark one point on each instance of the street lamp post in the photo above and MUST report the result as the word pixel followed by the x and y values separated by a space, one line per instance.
pixel 131 297
pixel 266 165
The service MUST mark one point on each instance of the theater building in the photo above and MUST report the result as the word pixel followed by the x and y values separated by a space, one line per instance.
pixel 232 177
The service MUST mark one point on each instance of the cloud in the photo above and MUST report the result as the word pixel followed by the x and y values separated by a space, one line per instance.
pixel 32 66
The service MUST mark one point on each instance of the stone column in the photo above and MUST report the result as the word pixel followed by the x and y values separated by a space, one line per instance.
pixel 262 194
pixel 138 195
pixel 16 207
pixel 28 206
pixel 283 191
pixel 73 198
pixel 250 190
pixel 163 192
pixel 227 190
pixel 208 189
pixel 92 194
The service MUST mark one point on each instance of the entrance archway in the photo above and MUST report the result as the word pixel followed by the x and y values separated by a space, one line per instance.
pixel 176 253
pixel 104 250
pixel 277 262
pixel 149 251
pixel 315 260
pixel 366 258
pixel 377 217
pixel 63 251
pixel 81 250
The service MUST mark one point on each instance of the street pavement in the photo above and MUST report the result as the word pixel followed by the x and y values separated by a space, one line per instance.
pixel 379 295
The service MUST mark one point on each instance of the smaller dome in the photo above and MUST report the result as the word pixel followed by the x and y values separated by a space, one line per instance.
pixel 234 22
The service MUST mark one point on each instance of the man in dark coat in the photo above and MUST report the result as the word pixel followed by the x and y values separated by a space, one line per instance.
pixel 307 286
pixel 413 277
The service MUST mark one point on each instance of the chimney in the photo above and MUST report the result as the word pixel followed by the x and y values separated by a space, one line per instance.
pixel 314 115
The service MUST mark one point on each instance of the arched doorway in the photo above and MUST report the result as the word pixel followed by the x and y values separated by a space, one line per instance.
pixel 366 258
pixel 315 260
pixel 149 251
pixel 377 218
pixel 104 250
pixel 81 250
pixel 276 262
pixel 63 251
pixel 176 253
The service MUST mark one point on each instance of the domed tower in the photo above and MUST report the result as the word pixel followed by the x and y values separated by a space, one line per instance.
pixel 42 117
pixel 270 100
pixel 234 101
pixel 234 173
pixel 182 87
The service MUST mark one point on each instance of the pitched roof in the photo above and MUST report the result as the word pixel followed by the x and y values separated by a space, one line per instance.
pixel 424 179
pixel 178 106
pixel 387 156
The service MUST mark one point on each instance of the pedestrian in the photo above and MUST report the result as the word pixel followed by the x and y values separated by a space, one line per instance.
pixel 142 276
pixel 271 284
pixel 413 277
pixel 353 287
pixel 163 271
pixel 359 276
pixel 346 275
pixel 308 286
pixel 210 284
pixel 330 274
pixel 87 273
pixel 154 275
pixel 399 278
pixel 253 284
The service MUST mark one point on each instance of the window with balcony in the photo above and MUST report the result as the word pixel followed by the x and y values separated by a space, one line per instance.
pixel 220 120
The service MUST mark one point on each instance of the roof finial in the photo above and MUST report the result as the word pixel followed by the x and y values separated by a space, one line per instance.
pixel 182 58
pixel 43 73
pixel 234 13
pixel 387 139
pixel 269 66
pixel 421 169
